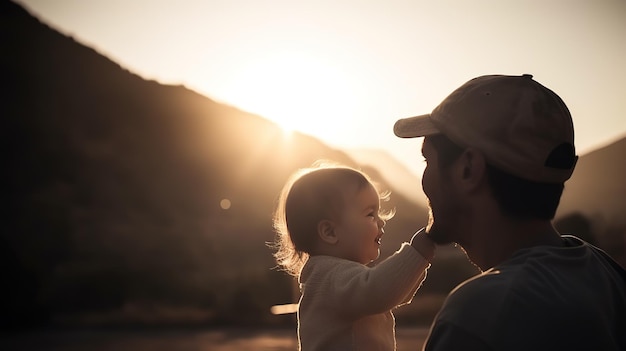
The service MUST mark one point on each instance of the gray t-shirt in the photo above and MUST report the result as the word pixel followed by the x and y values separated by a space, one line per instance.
pixel 543 298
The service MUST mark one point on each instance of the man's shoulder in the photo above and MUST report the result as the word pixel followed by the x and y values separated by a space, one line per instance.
pixel 475 306
pixel 488 287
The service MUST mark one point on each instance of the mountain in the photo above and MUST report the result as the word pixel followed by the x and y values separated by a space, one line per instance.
pixel 597 188
pixel 113 187
pixel 594 200
pixel 393 171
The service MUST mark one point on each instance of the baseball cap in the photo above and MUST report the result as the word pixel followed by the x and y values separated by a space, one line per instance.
pixel 519 125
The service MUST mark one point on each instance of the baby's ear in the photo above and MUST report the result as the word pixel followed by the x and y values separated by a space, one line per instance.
pixel 326 231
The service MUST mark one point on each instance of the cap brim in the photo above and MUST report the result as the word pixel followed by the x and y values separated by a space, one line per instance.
pixel 414 127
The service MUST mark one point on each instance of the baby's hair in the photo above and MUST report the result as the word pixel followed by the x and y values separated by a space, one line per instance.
pixel 309 196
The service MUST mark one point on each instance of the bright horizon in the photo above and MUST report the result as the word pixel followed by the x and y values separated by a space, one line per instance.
pixel 345 71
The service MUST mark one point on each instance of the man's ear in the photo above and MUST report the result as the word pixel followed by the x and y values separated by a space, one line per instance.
pixel 326 231
pixel 472 168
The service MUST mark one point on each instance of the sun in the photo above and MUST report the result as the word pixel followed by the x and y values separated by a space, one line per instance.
pixel 296 90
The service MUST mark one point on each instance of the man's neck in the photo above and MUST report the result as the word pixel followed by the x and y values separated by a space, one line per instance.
pixel 499 240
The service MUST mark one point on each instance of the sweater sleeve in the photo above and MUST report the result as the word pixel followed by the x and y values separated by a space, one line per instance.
pixel 357 290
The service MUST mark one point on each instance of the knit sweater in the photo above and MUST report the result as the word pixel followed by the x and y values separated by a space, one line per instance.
pixel 346 305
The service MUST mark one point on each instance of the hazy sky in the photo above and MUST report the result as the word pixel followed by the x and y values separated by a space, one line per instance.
pixel 345 70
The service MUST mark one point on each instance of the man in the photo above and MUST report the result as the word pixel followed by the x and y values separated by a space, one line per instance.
pixel 498 151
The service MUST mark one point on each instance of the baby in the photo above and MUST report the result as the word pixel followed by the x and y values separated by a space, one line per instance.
pixel 329 227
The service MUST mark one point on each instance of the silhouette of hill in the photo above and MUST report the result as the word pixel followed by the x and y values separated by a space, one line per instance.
pixel 393 171
pixel 597 188
pixel 113 187
pixel 594 200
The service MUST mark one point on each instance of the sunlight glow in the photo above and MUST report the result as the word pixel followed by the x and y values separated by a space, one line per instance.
pixel 296 90
pixel 284 309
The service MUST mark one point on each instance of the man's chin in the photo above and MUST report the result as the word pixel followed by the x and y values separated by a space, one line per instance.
pixel 437 235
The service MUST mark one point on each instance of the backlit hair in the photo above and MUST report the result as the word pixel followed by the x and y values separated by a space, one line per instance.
pixel 310 196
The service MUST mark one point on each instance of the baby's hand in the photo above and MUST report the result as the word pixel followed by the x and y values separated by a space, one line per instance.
pixel 423 244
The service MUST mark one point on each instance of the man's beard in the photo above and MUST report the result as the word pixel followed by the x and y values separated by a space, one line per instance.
pixel 435 232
